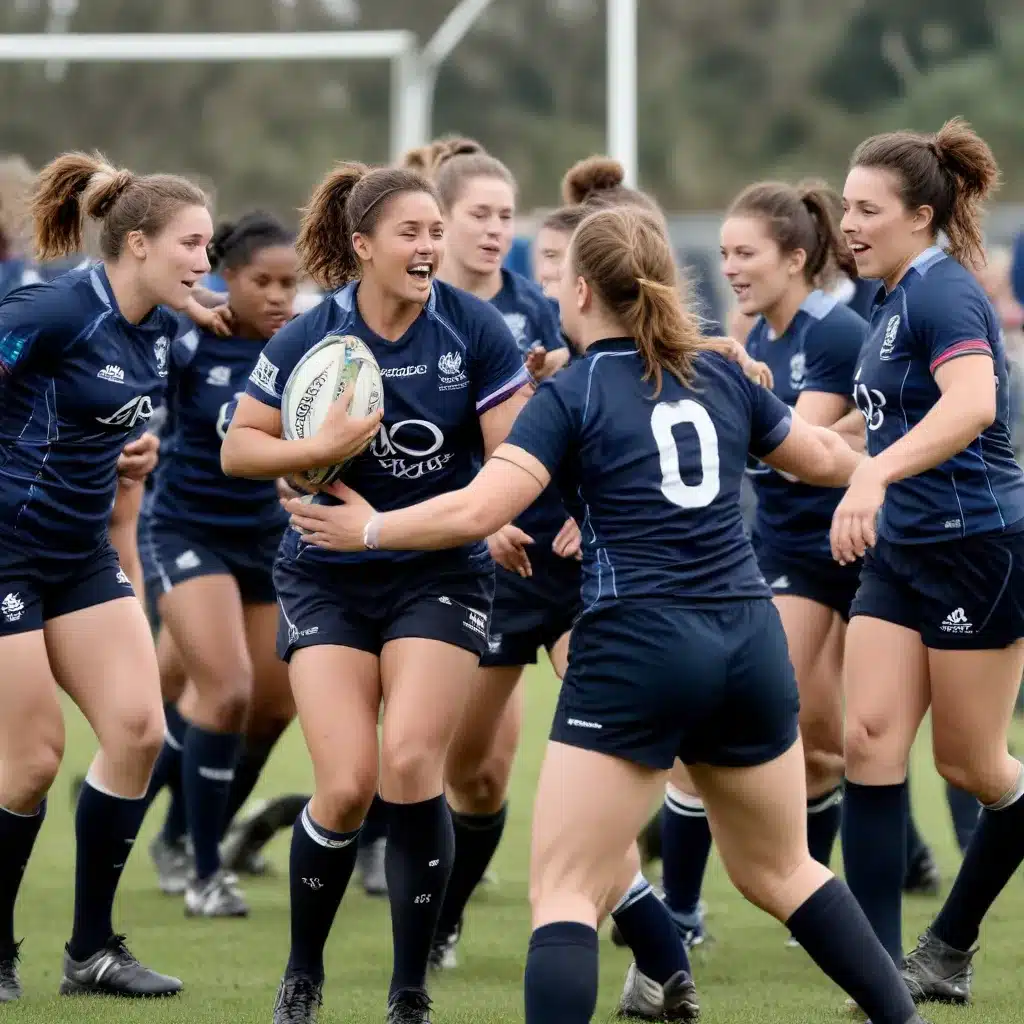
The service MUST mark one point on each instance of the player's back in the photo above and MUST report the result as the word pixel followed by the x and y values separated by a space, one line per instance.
pixel 657 479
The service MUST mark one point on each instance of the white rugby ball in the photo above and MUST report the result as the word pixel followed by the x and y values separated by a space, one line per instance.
pixel 325 373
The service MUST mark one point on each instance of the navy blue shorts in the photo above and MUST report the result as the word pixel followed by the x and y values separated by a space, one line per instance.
pixel 532 613
pixel 820 578
pixel 365 605
pixel 960 595
pixel 652 681
pixel 172 554
pixel 28 599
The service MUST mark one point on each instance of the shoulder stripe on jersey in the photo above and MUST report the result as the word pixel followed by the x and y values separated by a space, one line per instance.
pixel 590 374
pixel 433 314
pixel 976 346
pixel 97 286
pixel 819 305
pixel 507 390
pixel 345 297
pixel 932 255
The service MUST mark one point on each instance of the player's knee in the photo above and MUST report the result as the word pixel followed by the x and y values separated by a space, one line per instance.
pixel 824 767
pixel 225 694
pixel 871 746
pixel 986 776
pixel 411 762
pixel 28 781
pixel 480 787
pixel 341 805
pixel 138 734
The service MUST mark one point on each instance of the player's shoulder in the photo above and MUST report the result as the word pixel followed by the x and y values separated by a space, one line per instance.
pixel 937 283
pixel 836 323
pixel 758 335
pixel 59 305
pixel 463 315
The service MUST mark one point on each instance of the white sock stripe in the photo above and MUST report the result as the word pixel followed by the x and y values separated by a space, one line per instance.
pixel 637 890
pixel 90 780
pixel 1012 795
pixel 316 833
pixel 19 814
pixel 825 801
pixel 216 774
pixel 679 802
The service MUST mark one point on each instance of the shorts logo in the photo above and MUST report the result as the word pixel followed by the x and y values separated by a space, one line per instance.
pixel 264 376
pixel 953 524
pixel 494 644
pixel 444 600
pixel 187 560
pixel 956 622
pixel 450 372
pixel 219 376
pixel 122 577
pixel 782 583
pixel 582 724
pixel 12 607
pixel 476 622
pixel 294 632
pixel 889 341
pixel 112 373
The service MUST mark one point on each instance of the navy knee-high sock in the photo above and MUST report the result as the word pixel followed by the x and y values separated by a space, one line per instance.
pixel 647 928
pixel 319 870
pixel 167 772
pixel 252 758
pixel 685 845
pixel 823 816
pixel 376 825
pixel 105 829
pixel 208 765
pixel 964 810
pixel 995 852
pixel 874 830
pixel 417 863
pixel 560 983
pixel 18 834
pixel 833 930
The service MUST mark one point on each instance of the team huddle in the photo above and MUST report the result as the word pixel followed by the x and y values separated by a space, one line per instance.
pixel 514 465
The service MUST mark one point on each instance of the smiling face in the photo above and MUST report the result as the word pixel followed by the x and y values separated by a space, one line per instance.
pixel 883 234
pixel 174 259
pixel 403 251
pixel 481 225
pixel 760 274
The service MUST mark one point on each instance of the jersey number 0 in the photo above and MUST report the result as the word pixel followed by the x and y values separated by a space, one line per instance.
pixel 667 415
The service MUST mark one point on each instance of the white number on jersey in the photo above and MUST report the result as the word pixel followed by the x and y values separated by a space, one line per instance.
pixel 667 415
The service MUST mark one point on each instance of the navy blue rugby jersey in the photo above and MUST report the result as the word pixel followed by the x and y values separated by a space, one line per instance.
pixel 657 480
pixel 817 352
pixel 77 383
pixel 533 320
pixel 208 375
pixel 936 313
pixel 16 273
pixel 455 362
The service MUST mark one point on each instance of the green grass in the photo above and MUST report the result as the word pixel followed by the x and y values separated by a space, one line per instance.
pixel 231 968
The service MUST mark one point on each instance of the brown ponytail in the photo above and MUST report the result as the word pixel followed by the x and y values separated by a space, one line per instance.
pixel 351 199
pixel 624 254
pixel 77 185
pixel 952 171
pixel 805 217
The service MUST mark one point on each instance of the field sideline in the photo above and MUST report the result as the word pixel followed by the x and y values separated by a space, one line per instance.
pixel 231 968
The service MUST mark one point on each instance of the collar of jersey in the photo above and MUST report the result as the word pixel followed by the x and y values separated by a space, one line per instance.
pixel 101 285
pixel 922 262
pixel 611 345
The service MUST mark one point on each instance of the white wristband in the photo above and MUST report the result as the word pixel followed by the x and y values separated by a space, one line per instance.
pixel 371 533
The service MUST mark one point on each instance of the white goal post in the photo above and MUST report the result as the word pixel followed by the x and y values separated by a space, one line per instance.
pixel 413 69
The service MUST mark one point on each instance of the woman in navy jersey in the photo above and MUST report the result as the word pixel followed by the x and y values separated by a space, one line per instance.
pixel 679 650
pixel 83 363
pixel 939 507
pixel 208 544
pixel 478 196
pixel 358 628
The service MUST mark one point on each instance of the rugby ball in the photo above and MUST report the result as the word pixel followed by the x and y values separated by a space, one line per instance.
pixel 326 372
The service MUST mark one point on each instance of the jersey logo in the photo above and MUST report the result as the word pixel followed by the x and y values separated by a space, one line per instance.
pixel 410 449
pixel 449 368
pixel 405 371
pixel 264 376
pixel 889 341
pixel 134 410
pixel 160 351
pixel 219 376
pixel 111 373
pixel 12 607
pixel 797 370
pixel 871 403
pixel 517 325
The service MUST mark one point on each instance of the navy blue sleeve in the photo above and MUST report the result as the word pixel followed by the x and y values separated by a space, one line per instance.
pixel 277 360
pixel 546 426
pixel 831 348
pixel 950 318
pixel 770 420
pixel 496 368
pixel 37 319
